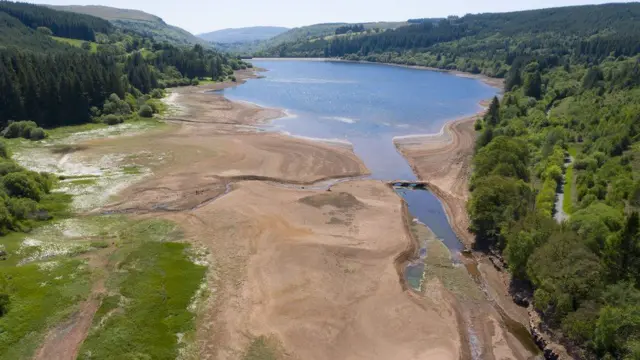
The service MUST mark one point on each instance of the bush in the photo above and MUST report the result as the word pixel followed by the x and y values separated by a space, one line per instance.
pixel 233 78
pixel 157 94
pixel 112 119
pixel 131 101
pixel 37 134
pixel 18 129
pixel 145 111
pixel 8 166
pixel 114 105
pixel 19 184
pixel 154 105
pixel 4 152
pixel 44 30
pixel 22 208
pixel 6 220
pixel 195 82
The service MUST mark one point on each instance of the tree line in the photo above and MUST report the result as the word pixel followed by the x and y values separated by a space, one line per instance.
pixel 488 43
pixel 346 28
pixel 63 85
pixel 572 84
pixel 583 273
pixel 61 23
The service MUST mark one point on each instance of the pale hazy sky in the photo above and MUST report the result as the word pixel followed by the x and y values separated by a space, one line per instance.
pixel 199 16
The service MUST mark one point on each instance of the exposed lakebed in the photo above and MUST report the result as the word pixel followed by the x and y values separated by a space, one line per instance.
pixel 367 106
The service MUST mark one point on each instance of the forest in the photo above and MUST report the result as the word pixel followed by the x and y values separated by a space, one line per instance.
pixel 568 121
pixel 46 82
pixel 580 120
pixel 486 43
pixel 53 83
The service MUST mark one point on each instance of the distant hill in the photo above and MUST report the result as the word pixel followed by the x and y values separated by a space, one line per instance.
pixel 299 34
pixel 319 30
pixel 242 35
pixel 137 21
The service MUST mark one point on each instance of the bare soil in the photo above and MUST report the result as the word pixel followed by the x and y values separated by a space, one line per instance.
pixel 317 272
pixel 444 163
pixel 63 342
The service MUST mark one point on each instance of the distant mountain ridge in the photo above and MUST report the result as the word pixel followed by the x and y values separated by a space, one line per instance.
pixel 300 34
pixel 135 20
pixel 242 35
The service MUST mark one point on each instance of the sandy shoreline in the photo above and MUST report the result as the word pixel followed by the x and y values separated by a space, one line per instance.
pixel 316 267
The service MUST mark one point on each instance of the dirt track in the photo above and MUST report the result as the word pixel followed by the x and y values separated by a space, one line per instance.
pixel 315 270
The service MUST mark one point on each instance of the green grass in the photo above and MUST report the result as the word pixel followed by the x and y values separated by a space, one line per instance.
pixel 567 201
pixel 131 170
pixel 76 43
pixel 39 297
pixel 158 281
pixel 84 181
pixel 263 348
pixel 206 81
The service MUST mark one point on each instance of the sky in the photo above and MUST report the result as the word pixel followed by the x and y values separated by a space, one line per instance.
pixel 199 16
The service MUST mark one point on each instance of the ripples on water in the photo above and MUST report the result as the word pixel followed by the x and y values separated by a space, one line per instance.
pixel 368 105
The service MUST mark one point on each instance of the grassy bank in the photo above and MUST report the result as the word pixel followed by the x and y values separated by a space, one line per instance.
pixel 152 288
pixel 76 43
pixel 152 279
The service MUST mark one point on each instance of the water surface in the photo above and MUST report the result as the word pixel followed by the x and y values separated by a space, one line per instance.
pixel 368 105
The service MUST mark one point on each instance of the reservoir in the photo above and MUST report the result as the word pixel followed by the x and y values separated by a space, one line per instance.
pixel 367 105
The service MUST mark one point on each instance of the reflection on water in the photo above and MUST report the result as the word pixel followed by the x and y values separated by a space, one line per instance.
pixel 367 106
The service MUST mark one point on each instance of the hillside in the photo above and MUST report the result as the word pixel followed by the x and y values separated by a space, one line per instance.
pixel 567 125
pixel 301 34
pixel 137 21
pixel 472 42
pixel 242 35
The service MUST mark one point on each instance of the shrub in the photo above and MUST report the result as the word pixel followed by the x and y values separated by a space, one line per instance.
pixel 22 208
pixel 37 134
pixel 6 220
pixel 4 152
pixel 145 111
pixel 19 184
pixel 233 78
pixel 195 82
pixel 157 94
pixel 131 101
pixel 154 105
pixel 44 30
pixel 19 129
pixel 8 166
pixel 114 105
pixel 112 119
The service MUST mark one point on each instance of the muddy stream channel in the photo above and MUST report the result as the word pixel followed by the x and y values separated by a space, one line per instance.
pixel 366 106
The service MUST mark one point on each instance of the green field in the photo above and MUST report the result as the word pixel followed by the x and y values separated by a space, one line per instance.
pixel 76 43
pixel 152 289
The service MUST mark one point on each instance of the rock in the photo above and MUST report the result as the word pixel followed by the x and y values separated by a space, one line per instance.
pixel 521 299
pixel 550 349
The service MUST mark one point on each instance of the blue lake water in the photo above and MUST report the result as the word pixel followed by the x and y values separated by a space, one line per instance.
pixel 368 105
